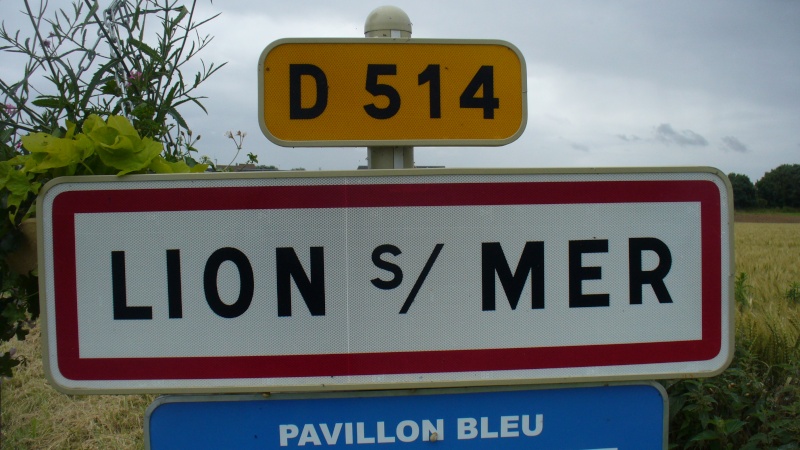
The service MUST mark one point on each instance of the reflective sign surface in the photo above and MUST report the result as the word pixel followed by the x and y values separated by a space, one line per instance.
pixel 359 92
pixel 343 279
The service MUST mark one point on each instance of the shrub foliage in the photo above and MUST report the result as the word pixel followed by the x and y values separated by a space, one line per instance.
pixel 99 92
pixel 752 405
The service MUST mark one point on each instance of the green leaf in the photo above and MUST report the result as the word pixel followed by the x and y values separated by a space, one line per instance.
pixel 111 88
pixel 19 188
pixel 92 12
pixel 199 168
pixel 49 152
pixel 70 129
pixel 92 122
pixel 118 144
pixel 7 363
pixel 122 125
pixel 144 48
pixel 17 183
pixel 49 102
pixel 108 137
pixel 128 156
pixel 196 102
pixel 167 102
pixel 181 15
pixel 35 141
pixel 85 146
pixel 161 165
pixel 707 435
pixel 733 426
pixel 59 154
pixel 178 118
pixel 4 170
pixel 99 76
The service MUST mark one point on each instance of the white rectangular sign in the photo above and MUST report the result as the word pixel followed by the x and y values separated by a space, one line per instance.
pixel 355 279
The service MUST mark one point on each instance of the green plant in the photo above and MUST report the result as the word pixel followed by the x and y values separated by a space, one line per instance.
pixel 752 405
pixel 79 65
pixel 238 142
pixel 68 74
pixel 742 291
pixel 793 293
pixel 104 147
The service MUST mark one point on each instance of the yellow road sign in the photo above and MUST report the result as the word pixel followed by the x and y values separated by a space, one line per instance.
pixel 380 91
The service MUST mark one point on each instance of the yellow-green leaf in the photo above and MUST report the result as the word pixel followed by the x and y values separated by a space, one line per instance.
pixel 85 145
pixel 122 125
pixel 161 165
pixel 36 142
pixel 103 135
pixel 199 168
pixel 129 156
pixel 70 130
pixel 92 122
pixel 18 183
pixel 19 187
pixel 49 152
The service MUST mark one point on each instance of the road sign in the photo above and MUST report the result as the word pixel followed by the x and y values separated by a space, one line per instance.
pixel 597 417
pixel 381 91
pixel 336 280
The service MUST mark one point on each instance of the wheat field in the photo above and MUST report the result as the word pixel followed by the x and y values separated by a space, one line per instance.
pixel 769 253
pixel 768 288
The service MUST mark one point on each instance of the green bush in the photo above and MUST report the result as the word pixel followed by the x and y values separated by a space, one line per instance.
pixel 754 403
pixel 99 93
pixel 751 405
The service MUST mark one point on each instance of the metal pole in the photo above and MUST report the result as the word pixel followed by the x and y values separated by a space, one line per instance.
pixel 390 22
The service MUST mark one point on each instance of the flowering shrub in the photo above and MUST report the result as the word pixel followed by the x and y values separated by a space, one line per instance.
pixel 82 65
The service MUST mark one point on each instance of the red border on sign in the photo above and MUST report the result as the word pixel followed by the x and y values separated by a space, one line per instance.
pixel 67 204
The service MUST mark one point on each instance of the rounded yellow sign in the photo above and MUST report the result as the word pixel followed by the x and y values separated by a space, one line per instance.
pixel 369 92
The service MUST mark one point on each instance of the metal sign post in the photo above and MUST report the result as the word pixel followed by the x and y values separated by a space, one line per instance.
pixel 389 22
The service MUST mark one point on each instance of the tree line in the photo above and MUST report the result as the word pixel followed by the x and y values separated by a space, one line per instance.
pixel 778 188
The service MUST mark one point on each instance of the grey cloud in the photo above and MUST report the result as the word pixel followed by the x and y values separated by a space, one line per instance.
pixel 579 147
pixel 631 138
pixel 667 134
pixel 731 143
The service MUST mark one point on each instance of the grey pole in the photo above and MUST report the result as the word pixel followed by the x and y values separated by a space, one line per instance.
pixel 390 22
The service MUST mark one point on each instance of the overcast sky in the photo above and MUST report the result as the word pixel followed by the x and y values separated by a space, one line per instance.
pixel 612 83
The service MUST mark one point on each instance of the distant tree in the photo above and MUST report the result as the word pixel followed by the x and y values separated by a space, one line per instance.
pixel 744 192
pixel 780 187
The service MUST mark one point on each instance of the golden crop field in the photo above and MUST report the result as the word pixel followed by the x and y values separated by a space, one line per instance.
pixel 769 253
pixel 35 416
pixel 768 288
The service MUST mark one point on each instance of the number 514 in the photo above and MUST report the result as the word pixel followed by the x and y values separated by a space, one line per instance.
pixel 482 82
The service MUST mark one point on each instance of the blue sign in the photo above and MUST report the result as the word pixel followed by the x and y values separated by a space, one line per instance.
pixel 626 416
